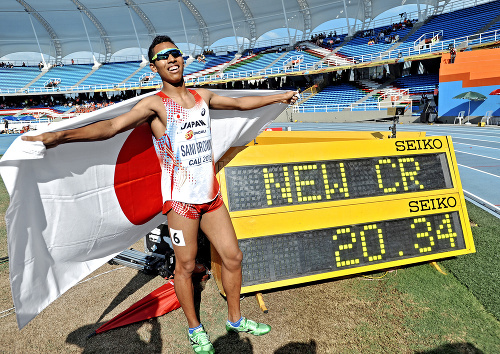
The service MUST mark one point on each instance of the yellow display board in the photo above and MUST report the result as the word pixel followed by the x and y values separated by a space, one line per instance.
pixel 309 211
pixel 293 137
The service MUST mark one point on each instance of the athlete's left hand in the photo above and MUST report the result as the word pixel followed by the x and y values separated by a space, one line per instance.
pixel 291 97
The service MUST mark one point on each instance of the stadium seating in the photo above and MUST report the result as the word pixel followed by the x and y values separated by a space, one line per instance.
pixel 16 78
pixel 347 94
pixel 359 46
pixel 211 65
pixel 69 75
pixel 273 60
pixel 305 58
pixel 457 24
pixel 145 70
pixel 335 44
pixel 112 73
pixel 494 27
pixel 418 84
pixel 258 62
pixel 341 95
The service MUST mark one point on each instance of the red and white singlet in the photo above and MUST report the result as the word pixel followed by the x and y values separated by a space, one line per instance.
pixel 185 153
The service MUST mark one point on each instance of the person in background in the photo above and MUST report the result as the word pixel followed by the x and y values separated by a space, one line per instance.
pixel 453 54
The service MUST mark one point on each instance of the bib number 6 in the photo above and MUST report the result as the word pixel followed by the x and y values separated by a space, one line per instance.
pixel 177 237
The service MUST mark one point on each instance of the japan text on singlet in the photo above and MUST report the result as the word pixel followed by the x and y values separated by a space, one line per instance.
pixel 185 153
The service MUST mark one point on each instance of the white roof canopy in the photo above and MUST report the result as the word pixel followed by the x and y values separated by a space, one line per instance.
pixel 64 27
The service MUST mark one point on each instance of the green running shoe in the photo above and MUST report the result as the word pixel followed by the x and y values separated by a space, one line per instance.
pixel 249 326
pixel 200 341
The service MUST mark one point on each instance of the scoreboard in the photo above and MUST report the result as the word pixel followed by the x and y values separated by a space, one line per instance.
pixel 316 210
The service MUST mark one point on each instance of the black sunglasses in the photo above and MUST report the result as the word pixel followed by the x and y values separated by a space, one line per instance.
pixel 165 53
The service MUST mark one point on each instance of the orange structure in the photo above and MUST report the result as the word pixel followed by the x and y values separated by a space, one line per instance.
pixel 474 68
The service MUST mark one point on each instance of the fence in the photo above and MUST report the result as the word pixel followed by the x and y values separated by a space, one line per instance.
pixel 371 106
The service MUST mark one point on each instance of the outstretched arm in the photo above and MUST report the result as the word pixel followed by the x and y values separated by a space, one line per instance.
pixel 246 103
pixel 100 130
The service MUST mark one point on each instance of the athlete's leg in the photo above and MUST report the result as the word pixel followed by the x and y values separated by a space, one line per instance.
pixel 184 262
pixel 220 232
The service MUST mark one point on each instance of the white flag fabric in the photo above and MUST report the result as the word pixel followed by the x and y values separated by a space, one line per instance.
pixel 74 207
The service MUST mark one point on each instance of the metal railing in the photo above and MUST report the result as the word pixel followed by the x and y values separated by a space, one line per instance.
pixel 44 120
pixel 147 76
pixel 432 36
pixel 441 46
pixel 485 37
pixel 394 92
pixel 370 106
pixel 306 94
pixel 82 88
pixel 52 82
pixel 293 61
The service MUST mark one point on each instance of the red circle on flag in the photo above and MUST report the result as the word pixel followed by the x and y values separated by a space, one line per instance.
pixel 138 177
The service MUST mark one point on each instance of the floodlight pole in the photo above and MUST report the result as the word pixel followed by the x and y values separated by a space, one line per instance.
pixel 357 15
pixel 286 22
pixel 234 29
pixel 144 61
pixel 349 30
pixel 96 63
pixel 184 26
pixel 36 37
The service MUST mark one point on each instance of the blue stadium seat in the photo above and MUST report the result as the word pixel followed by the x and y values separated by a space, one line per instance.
pixel 69 75
pixel 17 77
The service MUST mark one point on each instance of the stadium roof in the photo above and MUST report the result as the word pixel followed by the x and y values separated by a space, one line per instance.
pixel 62 27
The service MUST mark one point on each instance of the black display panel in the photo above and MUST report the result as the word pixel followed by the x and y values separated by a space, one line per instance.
pixel 278 257
pixel 268 186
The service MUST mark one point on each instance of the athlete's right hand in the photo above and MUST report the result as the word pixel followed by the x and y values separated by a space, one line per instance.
pixel 49 139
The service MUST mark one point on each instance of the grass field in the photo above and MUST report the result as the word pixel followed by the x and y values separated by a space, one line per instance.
pixel 409 310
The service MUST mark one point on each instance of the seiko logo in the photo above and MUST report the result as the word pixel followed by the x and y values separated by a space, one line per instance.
pixel 432 204
pixel 197 123
pixel 423 144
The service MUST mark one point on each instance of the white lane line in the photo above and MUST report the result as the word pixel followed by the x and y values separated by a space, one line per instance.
pixel 473 196
pixel 480 146
pixel 435 131
pixel 430 132
pixel 470 153
pixel 455 136
pixel 98 275
pixel 402 127
pixel 486 141
pixel 451 129
pixel 452 133
pixel 10 311
pixel 475 169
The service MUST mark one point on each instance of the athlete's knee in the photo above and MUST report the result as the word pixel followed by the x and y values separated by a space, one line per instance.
pixel 233 260
pixel 185 268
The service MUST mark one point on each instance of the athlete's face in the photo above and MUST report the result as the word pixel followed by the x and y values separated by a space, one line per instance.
pixel 170 69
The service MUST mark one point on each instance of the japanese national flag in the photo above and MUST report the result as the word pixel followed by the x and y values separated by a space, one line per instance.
pixel 74 207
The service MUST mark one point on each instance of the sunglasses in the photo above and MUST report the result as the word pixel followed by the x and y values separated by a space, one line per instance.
pixel 165 53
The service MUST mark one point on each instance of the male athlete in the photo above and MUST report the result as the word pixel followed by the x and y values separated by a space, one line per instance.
pixel 180 124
